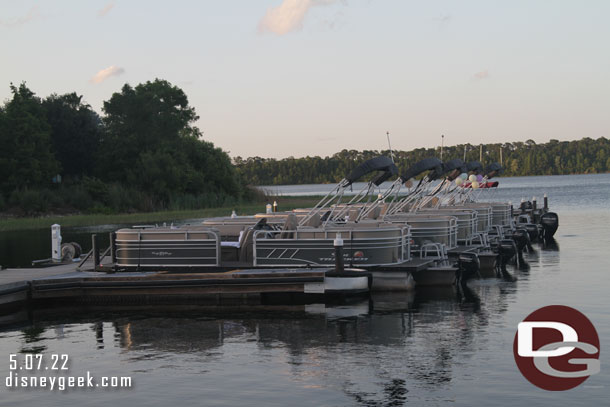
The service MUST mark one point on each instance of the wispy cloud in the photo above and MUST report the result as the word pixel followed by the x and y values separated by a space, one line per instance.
pixel 288 16
pixel 107 73
pixel 15 22
pixel 443 18
pixel 481 75
pixel 105 10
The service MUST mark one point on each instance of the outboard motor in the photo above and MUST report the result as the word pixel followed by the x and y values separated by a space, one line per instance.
pixel 468 266
pixel 532 231
pixel 507 249
pixel 550 223
pixel 522 240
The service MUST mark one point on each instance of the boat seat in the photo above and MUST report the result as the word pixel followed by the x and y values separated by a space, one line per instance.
pixel 314 221
pixel 374 213
pixel 236 244
pixel 245 251
pixel 384 209
pixel 228 230
pixel 289 227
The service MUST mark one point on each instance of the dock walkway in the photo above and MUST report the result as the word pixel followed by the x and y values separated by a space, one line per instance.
pixel 64 283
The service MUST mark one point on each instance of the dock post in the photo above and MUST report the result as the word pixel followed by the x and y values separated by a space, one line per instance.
pixel 522 206
pixel 112 249
pixel 338 243
pixel 546 202
pixel 534 204
pixel 56 242
pixel 96 252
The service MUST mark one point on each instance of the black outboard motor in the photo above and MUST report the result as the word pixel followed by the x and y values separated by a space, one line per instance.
pixel 468 266
pixel 507 249
pixel 522 240
pixel 532 230
pixel 550 223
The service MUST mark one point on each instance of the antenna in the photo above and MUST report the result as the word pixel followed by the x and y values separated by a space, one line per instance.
pixel 387 133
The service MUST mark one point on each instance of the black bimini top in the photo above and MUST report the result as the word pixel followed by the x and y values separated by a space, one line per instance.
pixel 427 164
pixel 381 163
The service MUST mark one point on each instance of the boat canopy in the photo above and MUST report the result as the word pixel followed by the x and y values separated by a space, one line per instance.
pixel 492 170
pixel 384 176
pixel 427 164
pixel 381 163
pixel 475 167
pixel 454 168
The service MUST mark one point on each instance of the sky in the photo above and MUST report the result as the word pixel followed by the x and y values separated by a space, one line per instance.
pixel 279 78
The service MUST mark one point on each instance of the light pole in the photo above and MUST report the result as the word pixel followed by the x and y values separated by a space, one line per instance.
pixel 442 145
pixel 387 133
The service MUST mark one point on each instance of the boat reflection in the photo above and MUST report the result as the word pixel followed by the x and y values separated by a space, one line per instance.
pixel 371 349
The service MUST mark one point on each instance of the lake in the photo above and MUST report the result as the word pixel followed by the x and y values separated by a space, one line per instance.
pixel 430 346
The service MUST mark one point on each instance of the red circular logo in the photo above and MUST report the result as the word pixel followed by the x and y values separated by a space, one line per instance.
pixel 556 348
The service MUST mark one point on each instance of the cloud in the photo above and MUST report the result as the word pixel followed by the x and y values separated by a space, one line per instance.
pixel 288 16
pixel 481 75
pixel 105 10
pixel 15 22
pixel 107 73
pixel 443 18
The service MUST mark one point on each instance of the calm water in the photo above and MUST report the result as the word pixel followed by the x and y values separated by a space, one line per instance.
pixel 431 347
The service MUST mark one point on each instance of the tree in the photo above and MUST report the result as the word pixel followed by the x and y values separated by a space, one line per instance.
pixel 75 133
pixel 26 157
pixel 529 158
pixel 151 142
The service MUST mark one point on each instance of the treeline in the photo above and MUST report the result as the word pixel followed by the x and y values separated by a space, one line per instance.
pixel 143 154
pixel 518 159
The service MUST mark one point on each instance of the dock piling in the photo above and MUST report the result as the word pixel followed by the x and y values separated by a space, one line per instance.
pixel 96 252
pixel 338 244
pixel 546 202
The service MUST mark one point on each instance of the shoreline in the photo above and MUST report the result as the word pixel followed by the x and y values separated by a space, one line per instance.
pixel 83 220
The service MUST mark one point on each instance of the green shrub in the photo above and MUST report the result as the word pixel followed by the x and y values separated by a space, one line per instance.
pixel 79 198
pixel 30 201
pixel 95 187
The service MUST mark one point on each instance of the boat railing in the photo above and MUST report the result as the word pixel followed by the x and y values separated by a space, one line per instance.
pixel 303 246
pixel 427 228
pixel 435 251
pixel 167 247
pixel 467 222
pixel 501 214
pixel 481 238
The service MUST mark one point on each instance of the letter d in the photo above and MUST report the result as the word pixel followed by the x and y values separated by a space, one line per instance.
pixel 526 338
pixel 9 380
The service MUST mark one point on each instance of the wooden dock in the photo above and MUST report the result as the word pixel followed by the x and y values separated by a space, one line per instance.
pixel 63 284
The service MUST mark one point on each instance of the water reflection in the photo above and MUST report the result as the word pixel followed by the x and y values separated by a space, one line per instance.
pixel 374 350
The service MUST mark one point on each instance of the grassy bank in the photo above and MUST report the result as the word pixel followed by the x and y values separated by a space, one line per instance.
pixel 285 203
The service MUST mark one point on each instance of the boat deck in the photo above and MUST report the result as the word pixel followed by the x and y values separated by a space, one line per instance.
pixel 413 265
